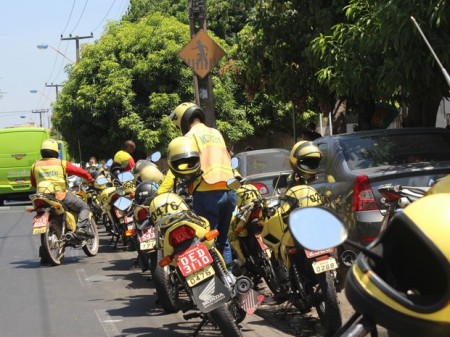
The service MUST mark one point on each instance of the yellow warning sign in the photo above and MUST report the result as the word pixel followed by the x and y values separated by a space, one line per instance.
pixel 201 54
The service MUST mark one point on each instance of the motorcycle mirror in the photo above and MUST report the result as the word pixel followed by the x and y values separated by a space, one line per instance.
pixel 317 228
pixel 234 163
pixel 233 184
pixel 125 176
pixel 155 156
pixel 101 181
pixel 122 203
pixel 108 163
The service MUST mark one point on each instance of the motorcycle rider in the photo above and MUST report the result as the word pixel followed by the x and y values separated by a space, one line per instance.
pixel 49 174
pixel 123 157
pixel 211 197
pixel 304 159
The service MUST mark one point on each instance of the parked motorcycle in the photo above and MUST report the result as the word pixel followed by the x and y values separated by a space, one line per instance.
pixel 57 225
pixel 401 281
pixel 252 254
pixel 305 277
pixel 115 220
pixel 189 261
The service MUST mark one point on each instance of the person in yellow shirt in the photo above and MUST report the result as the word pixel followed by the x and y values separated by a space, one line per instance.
pixel 211 197
pixel 123 157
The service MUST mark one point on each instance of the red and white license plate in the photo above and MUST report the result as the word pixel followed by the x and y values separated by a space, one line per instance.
pixel 194 259
pixel 147 239
pixel 40 223
pixel 314 253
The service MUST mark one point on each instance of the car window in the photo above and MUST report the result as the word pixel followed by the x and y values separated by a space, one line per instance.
pixel 395 149
pixel 268 162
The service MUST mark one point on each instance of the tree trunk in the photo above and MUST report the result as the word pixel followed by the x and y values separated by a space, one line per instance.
pixel 422 111
pixel 338 116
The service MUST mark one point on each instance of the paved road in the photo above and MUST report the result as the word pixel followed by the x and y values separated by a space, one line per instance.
pixel 103 295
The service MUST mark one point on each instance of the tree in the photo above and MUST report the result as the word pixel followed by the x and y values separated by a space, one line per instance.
pixel 378 55
pixel 127 83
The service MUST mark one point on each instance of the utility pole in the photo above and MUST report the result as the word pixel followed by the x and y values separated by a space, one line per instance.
pixel 77 40
pixel 40 112
pixel 202 86
pixel 56 86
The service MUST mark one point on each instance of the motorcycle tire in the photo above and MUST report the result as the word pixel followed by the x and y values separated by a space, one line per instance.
pixel 91 245
pixel 225 322
pixel 167 287
pixel 107 223
pixel 53 246
pixel 327 304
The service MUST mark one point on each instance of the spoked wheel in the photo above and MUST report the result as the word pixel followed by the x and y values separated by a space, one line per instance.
pixel 91 244
pixel 53 244
pixel 327 304
pixel 225 322
pixel 166 286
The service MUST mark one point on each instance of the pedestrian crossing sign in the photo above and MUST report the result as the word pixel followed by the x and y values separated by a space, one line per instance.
pixel 201 54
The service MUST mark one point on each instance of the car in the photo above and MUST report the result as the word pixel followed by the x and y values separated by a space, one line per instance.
pixel 354 165
pixel 260 167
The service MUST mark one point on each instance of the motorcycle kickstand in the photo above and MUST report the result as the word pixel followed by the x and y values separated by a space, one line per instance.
pixel 200 326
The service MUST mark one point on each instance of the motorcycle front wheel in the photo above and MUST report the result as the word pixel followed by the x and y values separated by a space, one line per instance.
pixel 166 286
pixel 91 245
pixel 53 245
pixel 225 322
pixel 327 304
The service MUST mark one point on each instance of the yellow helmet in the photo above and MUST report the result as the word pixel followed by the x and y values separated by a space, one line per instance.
pixel 50 144
pixel 183 157
pixel 145 170
pixel 305 158
pixel 165 204
pixel 183 115
pixel 246 194
pixel 407 289
pixel 300 196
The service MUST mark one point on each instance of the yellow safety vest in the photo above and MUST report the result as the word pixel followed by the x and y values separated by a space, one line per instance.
pixel 215 160
pixel 50 175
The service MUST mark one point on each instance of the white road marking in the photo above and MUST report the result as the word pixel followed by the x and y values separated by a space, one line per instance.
pixel 108 324
pixel 82 277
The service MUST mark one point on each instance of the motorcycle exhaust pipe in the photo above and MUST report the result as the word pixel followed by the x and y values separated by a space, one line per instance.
pixel 348 257
pixel 243 285
pixel 70 236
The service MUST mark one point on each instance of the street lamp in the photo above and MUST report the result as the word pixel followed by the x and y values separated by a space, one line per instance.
pixel 45 46
pixel 34 91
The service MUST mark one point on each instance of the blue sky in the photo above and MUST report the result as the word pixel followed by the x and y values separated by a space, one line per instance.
pixel 25 24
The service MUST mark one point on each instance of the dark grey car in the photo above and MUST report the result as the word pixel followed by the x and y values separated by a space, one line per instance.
pixel 260 167
pixel 354 165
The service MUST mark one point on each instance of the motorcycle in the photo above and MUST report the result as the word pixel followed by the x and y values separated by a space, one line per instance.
pixel 115 220
pixel 306 278
pixel 57 225
pixel 189 261
pixel 252 254
pixel 401 281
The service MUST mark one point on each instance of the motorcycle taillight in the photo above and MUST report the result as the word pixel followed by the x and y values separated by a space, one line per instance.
pixel 38 203
pixel 142 214
pixel 180 235
pixel 390 196
pixel 255 214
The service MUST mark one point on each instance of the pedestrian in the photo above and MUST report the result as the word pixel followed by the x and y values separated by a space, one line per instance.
pixel 312 129
pixel 212 199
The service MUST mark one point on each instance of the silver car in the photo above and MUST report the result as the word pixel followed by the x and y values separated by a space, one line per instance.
pixel 354 165
pixel 260 167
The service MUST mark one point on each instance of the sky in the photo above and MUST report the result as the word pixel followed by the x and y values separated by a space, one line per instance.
pixel 30 76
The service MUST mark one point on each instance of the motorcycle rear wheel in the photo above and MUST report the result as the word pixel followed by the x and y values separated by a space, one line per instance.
pixel 166 286
pixel 92 244
pixel 53 245
pixel 225 322
pixel 327 304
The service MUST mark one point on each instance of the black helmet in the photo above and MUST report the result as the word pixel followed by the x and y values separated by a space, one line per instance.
pixel 184 114
pixel 145 192
pixel 115 169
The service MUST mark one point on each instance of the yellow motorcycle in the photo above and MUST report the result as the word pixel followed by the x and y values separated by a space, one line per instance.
pixel 189 261
pixel 57 225
pixel 252 254
pixel 306 278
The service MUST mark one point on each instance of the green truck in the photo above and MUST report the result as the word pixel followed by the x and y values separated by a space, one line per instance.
pixel 19 149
